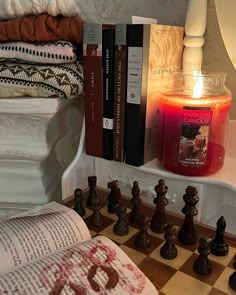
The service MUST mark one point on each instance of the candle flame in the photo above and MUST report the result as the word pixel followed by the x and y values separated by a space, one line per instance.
pixel 197 91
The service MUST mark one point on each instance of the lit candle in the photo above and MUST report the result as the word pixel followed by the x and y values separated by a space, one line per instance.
pixel 193 123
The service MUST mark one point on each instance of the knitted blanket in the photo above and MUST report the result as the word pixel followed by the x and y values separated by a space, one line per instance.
pixel 60 52
pixel 64 81
pixel 42 28
pixel 17 8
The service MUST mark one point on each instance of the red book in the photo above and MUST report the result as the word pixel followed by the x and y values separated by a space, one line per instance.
pixel 93 88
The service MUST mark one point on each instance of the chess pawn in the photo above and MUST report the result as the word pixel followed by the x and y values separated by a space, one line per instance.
pixel 232 277
pixel 202 265
pixel 114 197
pixel 218 245
pixel 158 221
pixel 92 183
pixel 143 240
pixel 136 202
pixel 78 199
pixel 168 250
pixel 187 234
pixel 121 228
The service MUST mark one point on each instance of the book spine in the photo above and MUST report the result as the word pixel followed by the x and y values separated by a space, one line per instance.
pixel 135 106
pixel 93 92
pixel 120 91
pixel 108 41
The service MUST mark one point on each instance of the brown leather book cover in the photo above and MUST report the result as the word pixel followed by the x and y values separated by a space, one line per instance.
pixel 93 88
pixel 120 91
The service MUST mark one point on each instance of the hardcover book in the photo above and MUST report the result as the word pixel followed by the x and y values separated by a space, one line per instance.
pixel 93 88
pixel 120 91
pixel 98 60
pixel 154 51
pixel 108 40
pixel 49 250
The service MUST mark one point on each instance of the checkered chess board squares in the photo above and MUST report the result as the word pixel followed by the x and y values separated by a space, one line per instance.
pixel 170 277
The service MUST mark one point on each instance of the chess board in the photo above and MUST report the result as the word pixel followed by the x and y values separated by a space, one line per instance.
pixel 170 277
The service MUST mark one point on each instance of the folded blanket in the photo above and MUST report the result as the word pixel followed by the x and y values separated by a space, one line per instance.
pixel 42 28
pixel 16 8
pixel 41 80
pixel 60 52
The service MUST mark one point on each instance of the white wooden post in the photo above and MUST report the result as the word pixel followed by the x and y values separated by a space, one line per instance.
pixel 195 26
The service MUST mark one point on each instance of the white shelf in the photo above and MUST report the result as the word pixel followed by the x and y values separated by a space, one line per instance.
pixel 225 178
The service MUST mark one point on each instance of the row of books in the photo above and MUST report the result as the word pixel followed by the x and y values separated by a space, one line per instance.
pixel 125 66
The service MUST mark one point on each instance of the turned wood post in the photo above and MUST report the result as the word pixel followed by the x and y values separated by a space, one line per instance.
pixel 195 25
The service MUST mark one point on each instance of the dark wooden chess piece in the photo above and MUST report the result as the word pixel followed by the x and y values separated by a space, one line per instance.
pixel 232 277
pixel 114 197
pixel 202 264
pixel 158 221
pixel 187 234
pixel 92 183
pixel 143 240
pixel 168 250
pixel 218 245
pixel 136 202
pixel 96 218
pixel 121 227
pixel 78 199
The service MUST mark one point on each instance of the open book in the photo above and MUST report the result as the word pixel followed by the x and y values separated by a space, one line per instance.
pixel 49 250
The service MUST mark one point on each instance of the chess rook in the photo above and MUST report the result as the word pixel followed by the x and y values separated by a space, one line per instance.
pixel 158 221
pixel 187 234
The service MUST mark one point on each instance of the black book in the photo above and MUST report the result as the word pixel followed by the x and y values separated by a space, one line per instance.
pixel 135 102
pixel 108 45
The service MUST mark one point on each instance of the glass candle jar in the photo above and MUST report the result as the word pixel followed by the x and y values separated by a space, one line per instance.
pixel 194 112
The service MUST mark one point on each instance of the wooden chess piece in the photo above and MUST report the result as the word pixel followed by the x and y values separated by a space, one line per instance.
pixel 218 245
pixel 121 228
pixel 202 264
pixel 114 197
pixel 92 183
pixel 96 219
pixel 187 234
pixel 136 202
pixel 232 277
pixel 78 199
pixel 143 240
pixel 168 250
pixel 158 221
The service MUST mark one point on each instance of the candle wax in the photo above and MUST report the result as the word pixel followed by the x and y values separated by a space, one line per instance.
pixel 171 132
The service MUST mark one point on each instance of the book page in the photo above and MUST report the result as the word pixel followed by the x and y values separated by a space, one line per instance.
pixel 97 266
pixel 38 232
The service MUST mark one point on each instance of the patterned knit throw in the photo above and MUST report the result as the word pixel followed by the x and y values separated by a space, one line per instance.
pixel 17 8
pixel 65 81
pixel 60 52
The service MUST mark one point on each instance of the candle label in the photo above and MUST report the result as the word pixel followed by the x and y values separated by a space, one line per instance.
pixel 195 125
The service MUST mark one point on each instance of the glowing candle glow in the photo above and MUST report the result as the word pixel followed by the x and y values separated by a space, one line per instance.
pixel 193 123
